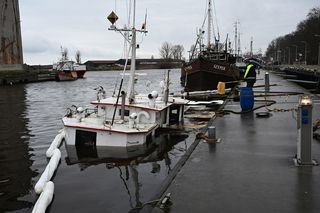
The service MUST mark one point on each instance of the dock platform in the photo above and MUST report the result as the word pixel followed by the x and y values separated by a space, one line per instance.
pixel 25 76
pixel 252 169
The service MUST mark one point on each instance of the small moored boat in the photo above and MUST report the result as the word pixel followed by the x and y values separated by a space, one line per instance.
pixel 133 122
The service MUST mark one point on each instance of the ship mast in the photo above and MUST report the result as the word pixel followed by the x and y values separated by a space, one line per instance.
pixel 130 89
pixel 235 38
pixel 209 23
pixel 133 42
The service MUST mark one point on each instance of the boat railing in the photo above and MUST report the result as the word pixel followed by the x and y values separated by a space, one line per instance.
pixel 215 56
pixel 90 111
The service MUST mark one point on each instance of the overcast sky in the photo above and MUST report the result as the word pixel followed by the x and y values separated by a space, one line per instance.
pixel 82 25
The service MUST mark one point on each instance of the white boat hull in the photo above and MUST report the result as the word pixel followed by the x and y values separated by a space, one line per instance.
pixel 107 138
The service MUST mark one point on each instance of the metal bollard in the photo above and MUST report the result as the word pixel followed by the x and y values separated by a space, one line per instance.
pixel 304 121
pixel 266 82
pixel 212 134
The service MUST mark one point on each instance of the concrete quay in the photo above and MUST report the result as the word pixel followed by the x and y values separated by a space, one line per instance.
pixel 252 169
pixel 25 76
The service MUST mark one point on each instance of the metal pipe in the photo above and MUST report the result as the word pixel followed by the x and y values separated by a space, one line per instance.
pixel 267 82
pixel 166 92
pixel 305 52
pixel 123 102
pixel 281 92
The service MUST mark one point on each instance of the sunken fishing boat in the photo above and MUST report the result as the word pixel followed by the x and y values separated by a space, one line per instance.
pixel 209 63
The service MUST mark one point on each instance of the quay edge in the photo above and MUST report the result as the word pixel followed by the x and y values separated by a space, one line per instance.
pixel 18 74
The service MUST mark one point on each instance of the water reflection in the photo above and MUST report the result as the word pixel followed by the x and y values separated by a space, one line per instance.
pixel 126 161
pixel 15 157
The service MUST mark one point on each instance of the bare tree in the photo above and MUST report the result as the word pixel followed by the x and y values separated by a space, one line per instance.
pixel 78 57
pixel 166 50
pixel 177 51
pixel 64 53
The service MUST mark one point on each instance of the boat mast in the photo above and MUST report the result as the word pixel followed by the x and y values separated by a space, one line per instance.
pixel 235 38
pixel 239 47
pixel 209 23
pixel 133 42
pixel 131 92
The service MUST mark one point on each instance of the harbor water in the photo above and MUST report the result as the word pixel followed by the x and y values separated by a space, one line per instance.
pixel 31 118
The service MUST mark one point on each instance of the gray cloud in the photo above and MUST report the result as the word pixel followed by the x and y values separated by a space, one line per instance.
pixel 82 25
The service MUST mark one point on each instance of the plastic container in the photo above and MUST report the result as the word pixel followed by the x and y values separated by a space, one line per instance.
pixel 221 88
pixel 246 98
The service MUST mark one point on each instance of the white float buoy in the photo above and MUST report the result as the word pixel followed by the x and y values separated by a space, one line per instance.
pixel 45 198
pixel 48 172
pixel 55 143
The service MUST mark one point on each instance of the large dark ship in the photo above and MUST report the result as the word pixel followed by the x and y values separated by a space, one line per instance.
pixel 209 64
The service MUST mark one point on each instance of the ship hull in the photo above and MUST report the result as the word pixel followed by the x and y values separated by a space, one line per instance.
pixel 201 74
pixel 80 73
pixel 66 76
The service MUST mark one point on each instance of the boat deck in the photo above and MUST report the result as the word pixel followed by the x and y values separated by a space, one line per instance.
pixel 141 101
pixel 118 126
pixel 252 169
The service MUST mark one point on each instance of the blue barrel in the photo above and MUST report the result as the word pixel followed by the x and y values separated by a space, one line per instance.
pixel 246 98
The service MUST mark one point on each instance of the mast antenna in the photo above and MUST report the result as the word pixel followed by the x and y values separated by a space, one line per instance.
pixel 239 44
pixel 251 46
pixel 209 23
pixel 133 44
pixel 216 18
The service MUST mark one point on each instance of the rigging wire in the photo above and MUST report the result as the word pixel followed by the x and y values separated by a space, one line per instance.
pixel 205 15
pixel 129 11
pixel 120 87
pixel 126 51
pixel 125 55
pixel 216 17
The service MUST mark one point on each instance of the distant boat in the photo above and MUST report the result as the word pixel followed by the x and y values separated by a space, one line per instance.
pixel 68 70
pixel 209 64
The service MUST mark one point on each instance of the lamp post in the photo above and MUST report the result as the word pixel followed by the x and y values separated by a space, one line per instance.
pixel 288 55
pixel 296 56
pixel 318 50
pixel 305 52
pixel 279 56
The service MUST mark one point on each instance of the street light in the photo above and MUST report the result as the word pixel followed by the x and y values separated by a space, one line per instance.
pixel 279 56
pixel 318 49
pixel 296 57
pixel 305 52
pixel 288 55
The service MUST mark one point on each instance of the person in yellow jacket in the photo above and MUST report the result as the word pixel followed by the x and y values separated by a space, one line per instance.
pixel 250 74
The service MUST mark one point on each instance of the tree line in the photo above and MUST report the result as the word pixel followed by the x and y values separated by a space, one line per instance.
pixel 300 46
pixel 169 51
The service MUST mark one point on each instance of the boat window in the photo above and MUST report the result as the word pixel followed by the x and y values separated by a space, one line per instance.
pixel 126 112
pixel 174 114
pixel 86 138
